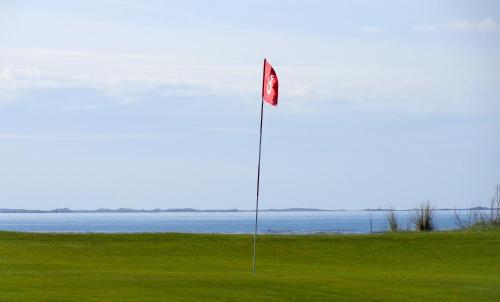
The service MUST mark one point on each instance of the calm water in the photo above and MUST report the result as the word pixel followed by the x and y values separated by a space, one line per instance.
pixel 240 222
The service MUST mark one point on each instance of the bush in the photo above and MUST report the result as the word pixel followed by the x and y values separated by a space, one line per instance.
pixel 467 220
pixel 475 219
pixel 423 217
pixel 392 220
pixel 495 209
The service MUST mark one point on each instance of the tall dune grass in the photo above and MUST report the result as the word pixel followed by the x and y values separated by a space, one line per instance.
pixel 423 217
pixel 392 220
pixel 477 219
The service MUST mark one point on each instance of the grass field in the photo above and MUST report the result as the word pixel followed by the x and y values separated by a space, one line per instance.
pixel 447 266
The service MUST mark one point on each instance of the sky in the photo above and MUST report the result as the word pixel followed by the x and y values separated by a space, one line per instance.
pixel 156 104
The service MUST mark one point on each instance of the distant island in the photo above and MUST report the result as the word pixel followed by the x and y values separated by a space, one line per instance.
pixel 175 210
pixel 191 210
pixel 439 209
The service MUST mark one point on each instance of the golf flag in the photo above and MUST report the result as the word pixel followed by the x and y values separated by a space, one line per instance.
pixel 269 84
pixel 270 95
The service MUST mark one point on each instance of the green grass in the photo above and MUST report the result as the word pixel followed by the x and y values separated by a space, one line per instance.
pixel 440 266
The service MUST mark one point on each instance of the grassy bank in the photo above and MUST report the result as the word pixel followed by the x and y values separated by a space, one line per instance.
pixel 448 266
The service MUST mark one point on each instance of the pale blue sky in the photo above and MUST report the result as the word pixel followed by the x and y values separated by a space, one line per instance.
pixel 155 104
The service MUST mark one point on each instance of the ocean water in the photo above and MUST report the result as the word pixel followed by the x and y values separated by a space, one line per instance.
pixel 211 222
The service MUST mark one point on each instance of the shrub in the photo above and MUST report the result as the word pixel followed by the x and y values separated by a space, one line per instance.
pixel 392 220
pixel 495 209
pixel 467 220
pixel 423 217
pixel 475 219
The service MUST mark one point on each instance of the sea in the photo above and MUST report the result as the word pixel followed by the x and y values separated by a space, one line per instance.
pixel 288 222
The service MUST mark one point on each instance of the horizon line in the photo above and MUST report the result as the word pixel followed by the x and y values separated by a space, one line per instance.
pixel 158 210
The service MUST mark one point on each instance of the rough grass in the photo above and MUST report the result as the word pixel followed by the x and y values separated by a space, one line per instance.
pixel 440 266
pixel 392 220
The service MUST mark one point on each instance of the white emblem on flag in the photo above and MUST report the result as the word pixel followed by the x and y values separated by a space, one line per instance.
pixel 269 87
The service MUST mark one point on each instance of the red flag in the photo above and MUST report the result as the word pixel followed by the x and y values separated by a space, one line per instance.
pixel 269 84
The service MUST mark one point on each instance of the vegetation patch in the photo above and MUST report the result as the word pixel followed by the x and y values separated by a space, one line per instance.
pixel 399 266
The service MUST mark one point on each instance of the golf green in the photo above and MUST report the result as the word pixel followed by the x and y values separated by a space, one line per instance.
pixel 438 266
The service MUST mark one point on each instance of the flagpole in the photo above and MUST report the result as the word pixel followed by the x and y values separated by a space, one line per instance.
pixel 258 170
pixel 258 185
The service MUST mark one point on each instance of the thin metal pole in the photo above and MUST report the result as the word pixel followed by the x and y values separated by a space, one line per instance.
pixel 258 185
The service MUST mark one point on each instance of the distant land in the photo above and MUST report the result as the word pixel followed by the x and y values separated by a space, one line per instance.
pixel 128 210
pixel 190 210
pixel 439 209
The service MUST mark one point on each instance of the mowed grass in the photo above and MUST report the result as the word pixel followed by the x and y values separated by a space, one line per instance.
pixel 440 266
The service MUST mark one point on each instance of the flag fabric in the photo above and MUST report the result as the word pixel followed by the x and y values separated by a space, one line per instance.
pixel 269 85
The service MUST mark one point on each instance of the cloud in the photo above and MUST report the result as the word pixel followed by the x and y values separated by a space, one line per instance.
pixel 102 137
pixel 371 30
pixel 91 65
pixel 119 65
pixel 127 88
pixel 128 77
pixel 484 25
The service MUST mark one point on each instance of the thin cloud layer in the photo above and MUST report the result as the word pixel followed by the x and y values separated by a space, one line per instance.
pixel 371 30
pixel 484 25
